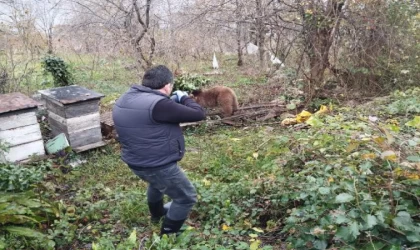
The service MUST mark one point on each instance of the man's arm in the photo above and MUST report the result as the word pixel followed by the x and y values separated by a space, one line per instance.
pixel 188 110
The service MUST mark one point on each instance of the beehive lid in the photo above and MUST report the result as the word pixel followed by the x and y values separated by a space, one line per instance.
pixel 70 94
pixel 16 101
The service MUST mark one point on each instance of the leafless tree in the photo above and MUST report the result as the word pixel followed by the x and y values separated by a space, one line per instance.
pixel 46 18
pixel 130 20
pixel 21 42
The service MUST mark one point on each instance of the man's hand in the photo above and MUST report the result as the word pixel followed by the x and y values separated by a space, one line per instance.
pixel 177 95
pixel 174 98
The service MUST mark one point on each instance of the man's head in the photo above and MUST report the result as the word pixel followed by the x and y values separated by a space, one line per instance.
pixel 157 77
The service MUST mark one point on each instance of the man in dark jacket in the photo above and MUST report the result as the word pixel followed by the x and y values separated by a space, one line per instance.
pixel 147 124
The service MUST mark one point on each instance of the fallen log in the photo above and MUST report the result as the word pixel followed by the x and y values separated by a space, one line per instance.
pixel 270 113
pixel 262 105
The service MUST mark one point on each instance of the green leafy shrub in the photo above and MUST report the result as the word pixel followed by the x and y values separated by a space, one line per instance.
pixel 189 82
pixel 406 102
pixel 58 69
pixel 105 243
pixel 4 148
pixel 22 209
pixel 20 178
pixel 19 215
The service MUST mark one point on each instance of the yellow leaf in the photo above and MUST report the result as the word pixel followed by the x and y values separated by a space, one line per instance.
pixel 393 128
pixel 289 121
pixel 255 155
pixel 389 155
pixel 322 110
pixel 225 227
pixel 413 176
pixel 95 246
pixel 133 237
pixel 318 231
pixel 206 182
pixel 254 245
pixel 366 139
pixel 253 235
pixel 369 156
pixel 414 123
pixel 247 223
pixel 352 146
pixel 235 139
pixel 303 116
pixel 398 171
pixel 389 137
pixel 256 229
pixel 380 141
pixel 330 179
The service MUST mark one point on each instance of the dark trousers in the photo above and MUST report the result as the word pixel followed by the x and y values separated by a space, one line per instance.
pixel 172 182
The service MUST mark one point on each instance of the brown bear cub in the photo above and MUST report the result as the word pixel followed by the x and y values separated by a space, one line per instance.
pixel 218 96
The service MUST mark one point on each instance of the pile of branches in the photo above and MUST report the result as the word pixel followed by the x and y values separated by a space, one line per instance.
pixel 253 113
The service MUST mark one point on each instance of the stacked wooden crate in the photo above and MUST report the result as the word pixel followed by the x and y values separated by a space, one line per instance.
pixel 19 128
pixel 74 110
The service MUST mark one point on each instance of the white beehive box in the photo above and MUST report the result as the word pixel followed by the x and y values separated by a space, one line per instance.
pixel 74 111
pixel 19 128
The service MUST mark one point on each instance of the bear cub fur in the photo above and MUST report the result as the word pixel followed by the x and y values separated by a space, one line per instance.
pixel 218 96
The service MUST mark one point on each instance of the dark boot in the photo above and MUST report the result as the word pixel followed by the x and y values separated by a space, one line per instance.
pixel 156 210
pixel 171 226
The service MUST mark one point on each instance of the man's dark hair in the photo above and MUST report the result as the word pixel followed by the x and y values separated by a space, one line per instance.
pixel 157 77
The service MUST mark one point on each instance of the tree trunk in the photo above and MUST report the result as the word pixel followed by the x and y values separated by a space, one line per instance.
pixel 260 32
pixel 50 43
pixel 238 34
pixel 238 39
pixel 319 28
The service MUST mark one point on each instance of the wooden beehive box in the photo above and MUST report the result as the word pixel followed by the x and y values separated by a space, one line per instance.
pixel 19 128
pixel 74 111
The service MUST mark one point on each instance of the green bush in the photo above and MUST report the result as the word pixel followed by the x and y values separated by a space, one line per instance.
pixel 22 210
pixel 407 102
pixel 189 82
pixel 19 178
pixel 58 69
pixel 20 214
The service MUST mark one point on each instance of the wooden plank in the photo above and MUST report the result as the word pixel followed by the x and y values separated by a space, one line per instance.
pixel 24 151
pixel 82 108
pixel 56 128
pixel 55 107
pixel 17 120
pixel 85 137
pixel 90 146
pixel 58 118
pixel 73 125
pixel 73 110
pixel 83 122
pixel 57 124
pixel 21 135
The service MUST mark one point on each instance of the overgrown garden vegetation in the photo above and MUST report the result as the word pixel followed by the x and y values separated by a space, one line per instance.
pixel 350 179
